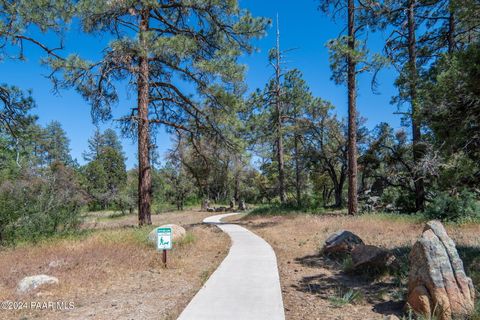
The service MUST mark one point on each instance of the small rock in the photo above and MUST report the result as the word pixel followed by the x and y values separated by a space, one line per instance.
pixel 28 284
pixel 341 242
pixel 178 233
pixel 368 258
pixel 56 263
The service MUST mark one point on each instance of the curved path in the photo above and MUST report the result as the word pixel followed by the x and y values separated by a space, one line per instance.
pixel 245 286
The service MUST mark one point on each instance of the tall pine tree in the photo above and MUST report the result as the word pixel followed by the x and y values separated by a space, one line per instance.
pixel 349 57
pixel 163 49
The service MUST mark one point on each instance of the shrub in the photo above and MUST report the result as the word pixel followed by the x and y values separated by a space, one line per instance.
pixel 40 204
pixel 460 207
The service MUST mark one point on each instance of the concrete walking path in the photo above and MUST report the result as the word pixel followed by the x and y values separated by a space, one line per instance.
pixel 245 286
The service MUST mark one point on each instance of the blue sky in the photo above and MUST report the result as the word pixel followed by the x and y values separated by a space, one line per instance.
pixel 302 27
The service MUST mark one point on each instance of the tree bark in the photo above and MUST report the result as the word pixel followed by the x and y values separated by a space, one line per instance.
pixel 297 172
pixel 278 110
pixel 281 165
pixel 352 115
pixel 416 133
pixel 144 177
pixel 236 190
pixel 451 30
pixel 338 197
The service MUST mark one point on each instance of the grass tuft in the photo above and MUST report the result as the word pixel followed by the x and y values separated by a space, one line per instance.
pixel 347 264
pixel 476 311
pixel 52 239
pixel 396 217
pixel 138 236
pixel 188 239
pixel 344 296
pixel 205 275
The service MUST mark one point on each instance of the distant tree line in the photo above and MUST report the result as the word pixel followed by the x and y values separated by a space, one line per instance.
pixel 279 144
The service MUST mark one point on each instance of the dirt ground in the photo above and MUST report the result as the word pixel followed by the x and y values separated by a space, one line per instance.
pixel 311 282
pixel 111 272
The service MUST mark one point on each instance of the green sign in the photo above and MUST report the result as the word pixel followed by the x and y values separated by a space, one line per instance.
pixel 164 238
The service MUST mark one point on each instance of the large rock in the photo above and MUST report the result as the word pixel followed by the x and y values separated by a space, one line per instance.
pixel 368 258
pixel 28 284
pixel 341 242
pixel 437 282
pixel 178 233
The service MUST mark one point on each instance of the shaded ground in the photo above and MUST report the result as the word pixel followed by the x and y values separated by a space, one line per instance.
pixel 313 284
pixel 113 273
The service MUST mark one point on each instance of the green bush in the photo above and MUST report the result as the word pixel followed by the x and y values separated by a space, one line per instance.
pixel 460 207
pixel 38 205
pixel 398 200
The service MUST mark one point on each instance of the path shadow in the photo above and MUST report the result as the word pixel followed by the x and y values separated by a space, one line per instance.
pixel 383 292
pixel 319 261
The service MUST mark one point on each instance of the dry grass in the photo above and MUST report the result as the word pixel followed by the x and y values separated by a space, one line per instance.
pixel 311 282
pixel 101 220
pixel 113 273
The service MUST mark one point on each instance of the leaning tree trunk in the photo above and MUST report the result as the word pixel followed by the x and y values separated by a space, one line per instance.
pixel 144 169
pixel 352 115
pixel 416 134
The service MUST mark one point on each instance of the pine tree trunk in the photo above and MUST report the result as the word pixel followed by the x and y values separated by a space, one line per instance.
pixel 352 114
pixel 278 110
pixel 281 164
pixel 297 172
pixel 451 31
pixel 144 169
pixel 416 133
pixel 236 190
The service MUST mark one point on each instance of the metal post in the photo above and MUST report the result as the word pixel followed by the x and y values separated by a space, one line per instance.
pixel 164 258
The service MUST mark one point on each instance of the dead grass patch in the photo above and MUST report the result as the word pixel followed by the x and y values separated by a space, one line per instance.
pixel 113 273
pixel 309 280
pixel 104 220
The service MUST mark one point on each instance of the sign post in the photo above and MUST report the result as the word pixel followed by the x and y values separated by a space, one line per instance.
pixel 164 242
